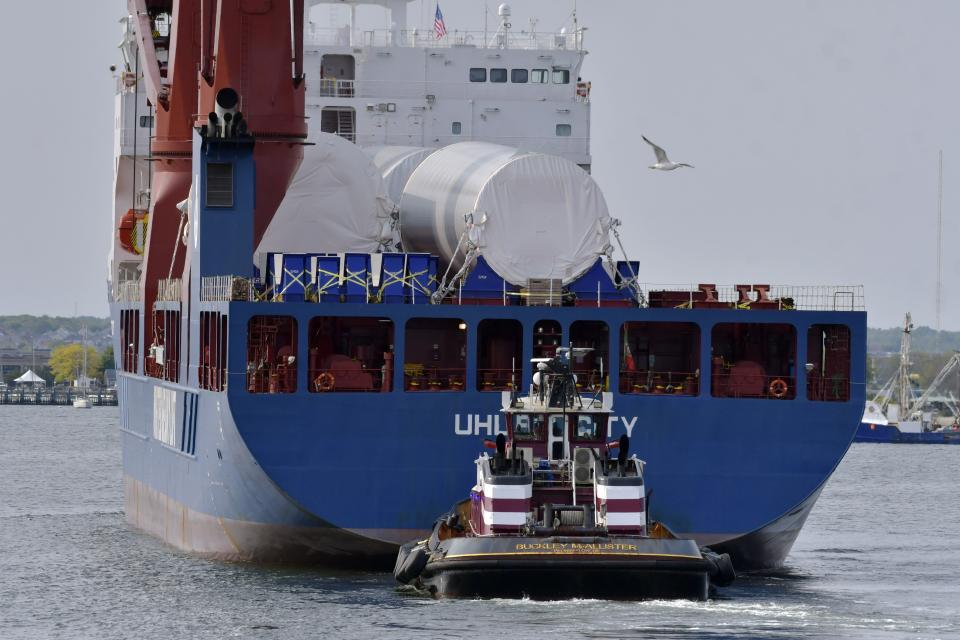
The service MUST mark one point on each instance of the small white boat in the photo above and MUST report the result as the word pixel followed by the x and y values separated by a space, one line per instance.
pixel 82 401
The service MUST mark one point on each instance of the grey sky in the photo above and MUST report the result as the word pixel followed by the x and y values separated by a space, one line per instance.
pixel 814 127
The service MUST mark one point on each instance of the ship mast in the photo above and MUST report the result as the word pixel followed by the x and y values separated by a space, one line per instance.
pixel 904 392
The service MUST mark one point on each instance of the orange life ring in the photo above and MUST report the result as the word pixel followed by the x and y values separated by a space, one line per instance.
pixel 325 382
pixel 778 388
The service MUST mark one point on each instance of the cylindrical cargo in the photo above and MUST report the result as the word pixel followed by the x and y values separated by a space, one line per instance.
pixel 336 203
pixel 545 217
pixel 396 165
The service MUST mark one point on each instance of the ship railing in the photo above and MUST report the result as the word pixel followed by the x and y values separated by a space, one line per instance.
pixel 456 38
pixel 382 94
pixel 127 291
pixel 740 385
pixel 169 290
pixel 426 378
pixel 497 379
pixel 356 379
pixel 777 297
pixel 336 88
pixel 555 476
pixel 226 289
pixel 555 146
pixel 677 383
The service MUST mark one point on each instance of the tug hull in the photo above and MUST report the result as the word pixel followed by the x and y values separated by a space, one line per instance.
pixel 610 568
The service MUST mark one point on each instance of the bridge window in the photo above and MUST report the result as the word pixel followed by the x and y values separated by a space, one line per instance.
pixel 590 360
pixel 456 128
pixel 478 74
pixel 660 358
pixel 213 351
pixel 751 360
pixel 546 338
pixel 828 363
pixel 272 354
pixel 588 427
pixel 499 355
pixel 350 354
pixel 564 130
pixel 561 76
pixel 519 76
pixel 540 76
pixel 435 354
pixel 528 427
pixel 130 339
pixel 498 75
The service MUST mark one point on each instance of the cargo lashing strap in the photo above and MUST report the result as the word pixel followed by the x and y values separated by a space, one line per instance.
pixel 296 278
pixel 390 278
pixel 358 277
pixel 416 286
pixel 332 281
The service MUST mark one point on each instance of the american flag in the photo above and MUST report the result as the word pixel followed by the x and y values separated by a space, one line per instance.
pixel 438 26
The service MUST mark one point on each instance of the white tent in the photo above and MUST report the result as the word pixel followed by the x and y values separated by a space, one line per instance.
pixel 30 378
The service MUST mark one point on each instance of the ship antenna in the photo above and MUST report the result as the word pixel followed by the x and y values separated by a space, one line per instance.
pixel 936 338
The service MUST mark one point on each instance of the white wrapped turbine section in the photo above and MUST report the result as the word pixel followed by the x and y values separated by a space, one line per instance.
pixel 337 202
pixel 396 165
pixel 545 217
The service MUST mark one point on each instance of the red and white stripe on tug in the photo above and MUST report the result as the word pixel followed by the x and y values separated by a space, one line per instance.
pixel 499 507
pixel 621 509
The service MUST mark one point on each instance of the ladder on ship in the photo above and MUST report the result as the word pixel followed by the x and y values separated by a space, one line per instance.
pixel 346 124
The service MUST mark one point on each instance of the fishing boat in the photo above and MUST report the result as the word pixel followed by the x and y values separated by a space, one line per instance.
pixel 901 413
pixel 558 517
pixel 285 296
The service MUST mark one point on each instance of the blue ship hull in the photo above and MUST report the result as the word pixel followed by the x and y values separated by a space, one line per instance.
pixel 345 477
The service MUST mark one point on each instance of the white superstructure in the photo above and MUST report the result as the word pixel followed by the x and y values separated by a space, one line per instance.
pixel 405 87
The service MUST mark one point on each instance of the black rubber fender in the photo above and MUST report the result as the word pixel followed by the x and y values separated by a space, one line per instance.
pixel 402 554
pixel 721 571
pixel 410 564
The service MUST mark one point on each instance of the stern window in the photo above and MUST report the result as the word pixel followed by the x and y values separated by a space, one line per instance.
pixel 660 357
pixel 591 365
pixel 435 354
pixel 828 363
pixel 499 353
pixel 350 354
pixel 272 354
pixel 752 360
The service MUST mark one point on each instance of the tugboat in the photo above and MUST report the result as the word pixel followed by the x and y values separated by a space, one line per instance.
pixel 555 515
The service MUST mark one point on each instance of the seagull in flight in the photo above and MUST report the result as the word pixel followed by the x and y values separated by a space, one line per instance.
pixel 663 162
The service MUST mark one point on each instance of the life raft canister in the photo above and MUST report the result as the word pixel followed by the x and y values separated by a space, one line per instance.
pixel 778 388
pixel 132 231
pixel 325 382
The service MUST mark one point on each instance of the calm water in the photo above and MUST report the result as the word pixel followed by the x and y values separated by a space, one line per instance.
pixel 877 559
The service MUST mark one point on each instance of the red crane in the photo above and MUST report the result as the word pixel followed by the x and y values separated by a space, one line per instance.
pixel 252 46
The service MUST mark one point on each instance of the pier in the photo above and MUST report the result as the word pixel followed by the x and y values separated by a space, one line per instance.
pixel 105 398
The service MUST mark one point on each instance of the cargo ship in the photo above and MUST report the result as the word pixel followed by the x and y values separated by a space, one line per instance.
pixel 289 303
